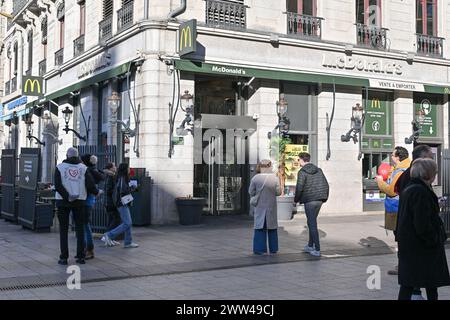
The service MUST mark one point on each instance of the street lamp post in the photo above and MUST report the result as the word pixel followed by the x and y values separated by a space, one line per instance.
pixel 187 105
pixel 357 121
pixel 114 105
pixel 283 121
pixel 67 112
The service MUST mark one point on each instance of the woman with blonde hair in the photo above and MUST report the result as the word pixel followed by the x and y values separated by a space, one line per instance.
pixel 264 189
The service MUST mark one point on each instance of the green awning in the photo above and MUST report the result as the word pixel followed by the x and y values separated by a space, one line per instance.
pixel 437 89
pixel 233 70
pixel 201 67
pixel 114 72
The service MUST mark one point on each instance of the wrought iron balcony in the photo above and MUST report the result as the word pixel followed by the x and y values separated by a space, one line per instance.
pixel 59 57
pixel 304 26
pixel 78 46
pixel 125 17
pixel 14 84
pixel 430 46
pixel 18 9
pixel 42 68
pixel 224 14
pixel 371 37
pixel 7 87
pixel 105 30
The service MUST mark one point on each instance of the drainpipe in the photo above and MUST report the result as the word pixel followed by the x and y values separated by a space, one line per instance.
pixel 146 9
pixel 180 10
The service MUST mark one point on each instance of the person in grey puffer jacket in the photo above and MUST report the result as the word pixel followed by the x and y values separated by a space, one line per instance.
pixel 312 190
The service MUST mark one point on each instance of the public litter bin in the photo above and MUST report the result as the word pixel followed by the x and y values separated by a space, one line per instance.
pixel 141 208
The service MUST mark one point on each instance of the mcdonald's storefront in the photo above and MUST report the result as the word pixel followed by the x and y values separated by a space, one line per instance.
pixel 390 106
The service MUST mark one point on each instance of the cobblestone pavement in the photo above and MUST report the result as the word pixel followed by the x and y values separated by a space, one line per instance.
pixel 324 279
pixel 220 244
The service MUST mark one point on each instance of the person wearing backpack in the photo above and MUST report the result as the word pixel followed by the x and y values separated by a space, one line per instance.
pixel 312 190
pixel 264 189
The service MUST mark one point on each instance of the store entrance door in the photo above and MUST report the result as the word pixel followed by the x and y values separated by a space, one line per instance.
pixel 221 171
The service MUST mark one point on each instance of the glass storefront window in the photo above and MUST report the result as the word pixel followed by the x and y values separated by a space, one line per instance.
pixel 372 162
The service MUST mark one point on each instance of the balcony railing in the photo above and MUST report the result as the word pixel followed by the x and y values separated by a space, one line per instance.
pixel 226 14
pixel 125 17
pixel 430 46
pixel 372 37
pixel 14 84
pixel 78 46
pixel 105 30
pixel 59 57
pixel 42 68
pixel 7 87
pixel 304 26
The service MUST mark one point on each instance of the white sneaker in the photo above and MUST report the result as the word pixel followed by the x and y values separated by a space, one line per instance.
pixel 308 249
pixel 115 243
pixel 417 297
pixel 315 253
pixel 108 242
pixel 131 246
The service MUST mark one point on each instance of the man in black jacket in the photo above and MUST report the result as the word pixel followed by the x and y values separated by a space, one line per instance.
pixel 73 182
pixel 312 190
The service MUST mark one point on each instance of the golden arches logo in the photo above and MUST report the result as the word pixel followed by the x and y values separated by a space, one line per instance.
pixel 185 34
pixel 376 104
pixel 32 83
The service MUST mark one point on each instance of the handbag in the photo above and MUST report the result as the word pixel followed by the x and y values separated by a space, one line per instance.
pixel 126 199
pixel 255 199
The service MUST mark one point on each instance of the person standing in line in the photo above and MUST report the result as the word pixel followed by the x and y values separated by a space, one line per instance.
pixel 421 235
pixel 264 189
pixel 114 221
pixel 121 190
pixel 313 191
pixel 90 161
pixel 400 158
pixel 73 182
pixel 420 152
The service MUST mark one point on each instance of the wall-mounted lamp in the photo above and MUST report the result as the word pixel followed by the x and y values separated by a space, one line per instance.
pixel 417 124
pixel 354 133
pixel 67 112
pixel 114 105
pixel 47 118
pixel 283 121
pixel 30 136
pixel 187 105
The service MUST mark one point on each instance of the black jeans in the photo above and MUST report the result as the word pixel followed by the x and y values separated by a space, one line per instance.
pixel 312 212
pixel 79 217
pixel 406 292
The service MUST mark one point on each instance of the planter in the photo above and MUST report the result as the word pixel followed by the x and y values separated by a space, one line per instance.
pixel 190 210
pixel 285 205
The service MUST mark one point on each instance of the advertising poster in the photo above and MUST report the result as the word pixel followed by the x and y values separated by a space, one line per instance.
pixel 292 166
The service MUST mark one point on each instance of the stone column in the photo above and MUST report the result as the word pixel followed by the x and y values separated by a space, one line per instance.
pixel 403 116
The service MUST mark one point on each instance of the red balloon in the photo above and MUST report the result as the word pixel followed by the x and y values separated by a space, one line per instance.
pixel 383 170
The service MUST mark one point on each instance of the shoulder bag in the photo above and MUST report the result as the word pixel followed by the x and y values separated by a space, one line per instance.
pixel 255 199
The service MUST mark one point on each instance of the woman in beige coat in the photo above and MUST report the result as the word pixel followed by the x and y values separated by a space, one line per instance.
pixel 265 188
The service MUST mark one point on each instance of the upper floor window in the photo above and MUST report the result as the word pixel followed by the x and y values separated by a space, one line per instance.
pixel 108 8
pixel 368 12
pixel 306 7
pixel 426 17
pixel 16 57
pixel 30 51
pixel 44 29
pixel 82 18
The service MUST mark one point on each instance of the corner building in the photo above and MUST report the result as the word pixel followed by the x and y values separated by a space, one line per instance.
pixel 390 57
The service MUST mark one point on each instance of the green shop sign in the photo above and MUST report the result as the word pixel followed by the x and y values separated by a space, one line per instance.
pixel 377 144
pixel 377 118
pixel 429 126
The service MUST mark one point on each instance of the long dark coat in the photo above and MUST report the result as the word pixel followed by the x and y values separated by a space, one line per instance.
pixel 420 237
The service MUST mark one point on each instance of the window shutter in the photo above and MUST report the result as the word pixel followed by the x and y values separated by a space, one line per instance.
pixel 108 8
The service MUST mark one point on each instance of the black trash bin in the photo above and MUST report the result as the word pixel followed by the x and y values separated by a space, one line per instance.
pixel 190 210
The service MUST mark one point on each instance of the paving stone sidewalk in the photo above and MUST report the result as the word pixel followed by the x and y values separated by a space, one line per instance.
pixel 28 259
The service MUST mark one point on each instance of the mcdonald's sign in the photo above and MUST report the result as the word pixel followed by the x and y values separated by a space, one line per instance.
pixel 32 86
pixel 376 104
pixel 187 37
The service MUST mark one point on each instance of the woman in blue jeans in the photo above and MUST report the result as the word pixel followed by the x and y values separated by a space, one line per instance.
pixel 122 189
